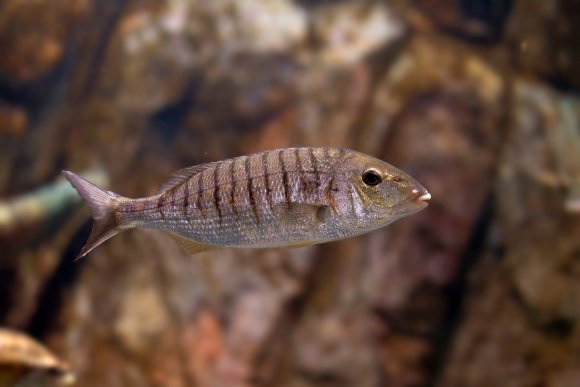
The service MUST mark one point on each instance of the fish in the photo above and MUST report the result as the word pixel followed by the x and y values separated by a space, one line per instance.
pixel 286 197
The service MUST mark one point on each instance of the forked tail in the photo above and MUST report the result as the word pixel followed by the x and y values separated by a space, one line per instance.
pixel 103 205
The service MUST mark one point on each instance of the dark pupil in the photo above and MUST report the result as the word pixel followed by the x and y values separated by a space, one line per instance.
pixel 371 178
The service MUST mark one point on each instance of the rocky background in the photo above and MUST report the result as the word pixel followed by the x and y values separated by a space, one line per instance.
pixel 476 99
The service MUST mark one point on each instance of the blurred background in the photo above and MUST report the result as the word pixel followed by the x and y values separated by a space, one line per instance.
pixel 477 99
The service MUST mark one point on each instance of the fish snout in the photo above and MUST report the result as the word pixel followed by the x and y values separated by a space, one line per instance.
pixel 420 196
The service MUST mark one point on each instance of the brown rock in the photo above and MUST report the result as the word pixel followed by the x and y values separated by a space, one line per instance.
pixel 34 35
pixel 13 120
pixel 346 33
pixel 543 39
pixel 522 317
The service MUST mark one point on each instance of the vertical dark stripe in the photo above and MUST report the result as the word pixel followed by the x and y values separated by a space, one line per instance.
pixel 225 186
pixel 284 177
pixel 186 203
pixel 329 196
pixel 163 199
pixel 166 196
pixel 233 186
pixel 351 199
pixel 267 180
pixel 198 192
pixel 185 198
pixel 316 171
pixel 300 173
pixel 216 192
pixel 160 204
pixel 249 187
pixel 314 163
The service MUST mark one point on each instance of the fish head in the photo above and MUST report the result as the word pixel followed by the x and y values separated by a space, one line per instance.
pixel 385 192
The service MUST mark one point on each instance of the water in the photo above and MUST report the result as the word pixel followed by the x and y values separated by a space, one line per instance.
pixel 477 100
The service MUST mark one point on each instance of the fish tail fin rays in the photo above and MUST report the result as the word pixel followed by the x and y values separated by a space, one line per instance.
pixel 103 205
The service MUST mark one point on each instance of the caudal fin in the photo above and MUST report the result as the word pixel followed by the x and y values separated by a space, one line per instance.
pixel 102 204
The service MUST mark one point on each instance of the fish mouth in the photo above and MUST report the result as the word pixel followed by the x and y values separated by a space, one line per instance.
pixel 422 200
pixel 415 203
pixel 420 197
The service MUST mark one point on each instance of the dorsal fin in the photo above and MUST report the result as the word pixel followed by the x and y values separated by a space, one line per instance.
pixel 183 174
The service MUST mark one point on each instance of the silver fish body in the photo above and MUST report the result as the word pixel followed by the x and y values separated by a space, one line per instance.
pixel 284 197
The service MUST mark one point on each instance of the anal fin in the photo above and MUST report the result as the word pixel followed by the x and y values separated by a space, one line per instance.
pixel 190 246
pixel 299 244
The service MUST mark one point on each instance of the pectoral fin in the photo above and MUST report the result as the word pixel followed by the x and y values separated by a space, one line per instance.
pixel 299 213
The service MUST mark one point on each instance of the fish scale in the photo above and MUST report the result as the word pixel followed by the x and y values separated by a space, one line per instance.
pixel 283 197
pixel 260 191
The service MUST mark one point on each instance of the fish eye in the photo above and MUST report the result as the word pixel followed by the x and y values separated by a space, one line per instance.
pixel 372 177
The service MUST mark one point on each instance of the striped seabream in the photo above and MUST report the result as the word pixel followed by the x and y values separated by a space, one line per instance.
pixel 283 197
